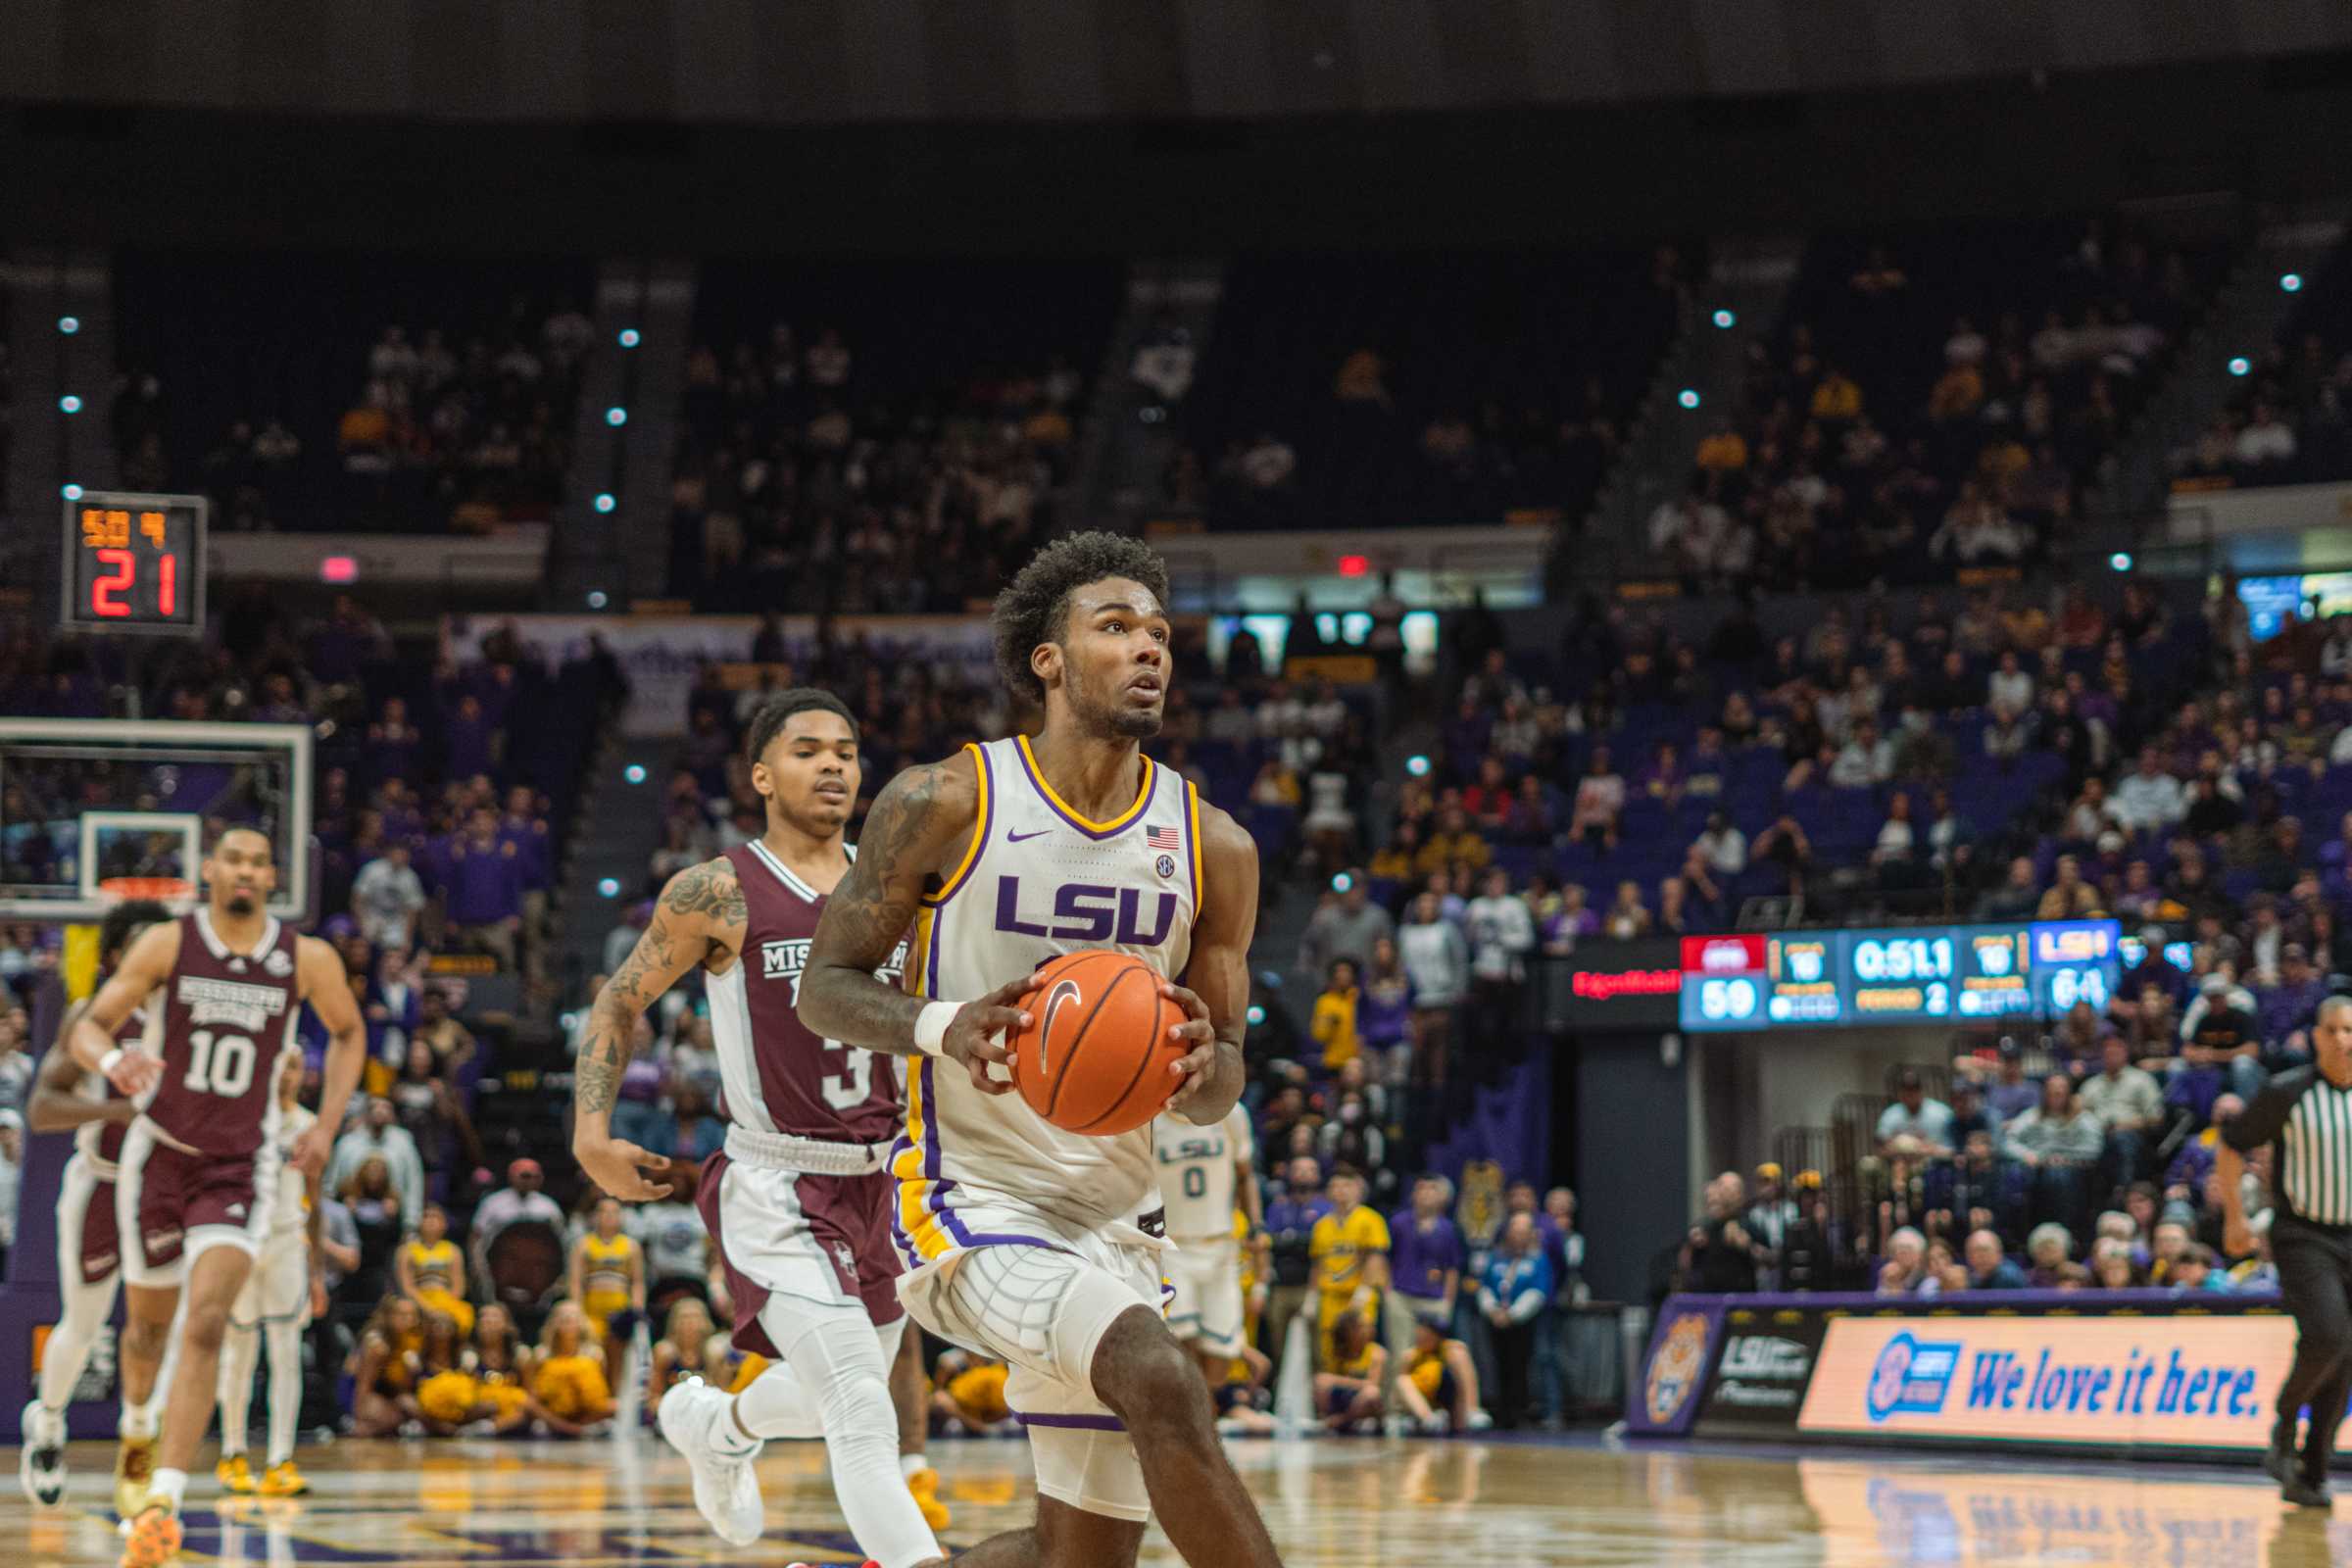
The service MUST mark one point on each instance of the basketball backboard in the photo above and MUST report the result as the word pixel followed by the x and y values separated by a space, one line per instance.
pixel 88 802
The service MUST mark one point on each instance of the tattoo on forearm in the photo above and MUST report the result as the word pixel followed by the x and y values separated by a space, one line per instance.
pixel 604 1048
pixel 867 916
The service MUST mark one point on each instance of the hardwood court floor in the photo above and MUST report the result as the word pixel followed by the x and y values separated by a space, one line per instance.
pixel 1331 1505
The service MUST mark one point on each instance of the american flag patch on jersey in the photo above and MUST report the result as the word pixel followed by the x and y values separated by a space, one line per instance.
pixel 1160 838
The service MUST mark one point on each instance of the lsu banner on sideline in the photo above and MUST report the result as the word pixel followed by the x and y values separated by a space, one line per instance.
pixel 2153 1372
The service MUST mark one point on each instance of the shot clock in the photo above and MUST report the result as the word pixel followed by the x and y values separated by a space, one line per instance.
pixel 134 563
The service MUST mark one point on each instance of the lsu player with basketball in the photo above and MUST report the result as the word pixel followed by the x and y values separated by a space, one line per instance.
pixel 276 1306
pixel 69 1098
pixel 1206 1173
pixel 798 1202
pixel 198 1190
pixel 1025 1242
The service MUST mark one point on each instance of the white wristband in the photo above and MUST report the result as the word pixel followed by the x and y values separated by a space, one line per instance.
pixel 931 1025
pixel 105 1063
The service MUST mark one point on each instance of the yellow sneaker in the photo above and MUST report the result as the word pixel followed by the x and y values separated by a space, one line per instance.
pixel 154 1539
pixel 924 1484
pixel 134 1471
pixel 284 1480
pixel 235 1475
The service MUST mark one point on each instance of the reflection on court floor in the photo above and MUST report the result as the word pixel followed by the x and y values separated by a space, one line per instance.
pixel 1572 1505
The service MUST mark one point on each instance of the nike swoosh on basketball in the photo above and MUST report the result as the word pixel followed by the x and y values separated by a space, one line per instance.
pixel 1064 991
pixel 1016 838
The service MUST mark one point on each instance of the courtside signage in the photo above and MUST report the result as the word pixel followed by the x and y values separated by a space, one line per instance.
pixel 2162 1381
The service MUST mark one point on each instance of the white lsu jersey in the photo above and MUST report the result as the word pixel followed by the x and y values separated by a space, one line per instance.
pixel 1036 881
pixel 1197 1174
pixel 290 1215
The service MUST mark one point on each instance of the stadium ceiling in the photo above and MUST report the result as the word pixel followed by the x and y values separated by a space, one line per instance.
pixel 845 61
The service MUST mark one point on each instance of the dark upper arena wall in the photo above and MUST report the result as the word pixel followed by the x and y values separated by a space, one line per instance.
pixel 831 62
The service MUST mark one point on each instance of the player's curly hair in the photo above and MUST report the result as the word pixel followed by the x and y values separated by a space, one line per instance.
pixel 125 922
pixel 1034 606
pixel 770 716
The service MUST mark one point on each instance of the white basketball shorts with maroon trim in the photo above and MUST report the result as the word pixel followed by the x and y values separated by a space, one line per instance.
pixel 784 1230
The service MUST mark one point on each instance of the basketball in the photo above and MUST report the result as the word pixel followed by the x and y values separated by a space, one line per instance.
pixel 1095 1058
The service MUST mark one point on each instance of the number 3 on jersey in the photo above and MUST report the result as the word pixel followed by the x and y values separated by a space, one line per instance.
pixel 845 1090
pixel 220 1064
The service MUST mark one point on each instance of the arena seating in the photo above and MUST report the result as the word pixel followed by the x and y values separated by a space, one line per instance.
pixel 405 394
pixel 879 436
pixel 1937 397
pixel 2290 419
pixel 1425 389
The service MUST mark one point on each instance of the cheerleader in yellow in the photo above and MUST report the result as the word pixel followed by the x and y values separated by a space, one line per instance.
pixel 683 1351
pixel 431 1272
pixel 446 1391
pixel 971 1396
pixel 1350 1391
pixel 1440 1385
pixel 501 1373
pixel 384 1367
pixel 569 1382
pixel 607 1270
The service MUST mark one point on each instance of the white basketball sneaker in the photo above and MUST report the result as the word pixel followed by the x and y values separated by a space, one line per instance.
pixel 700 1423
pixel 42 1469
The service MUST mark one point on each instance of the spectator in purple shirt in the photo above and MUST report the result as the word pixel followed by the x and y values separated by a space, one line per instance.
pixel 393 743
pixel 485 887
pixel 473 744
pixel 2284 1009
pixel 1383 1016
pixel 1290 1228
pixel 527 830
pixel 1425 1254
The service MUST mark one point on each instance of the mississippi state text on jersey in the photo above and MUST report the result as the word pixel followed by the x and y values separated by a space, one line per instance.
pixel 775 1074
pixel 227 1018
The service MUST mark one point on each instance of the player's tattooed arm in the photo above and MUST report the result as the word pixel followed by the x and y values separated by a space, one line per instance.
pixel 1218 973
pixel 921 824
pixel 700 909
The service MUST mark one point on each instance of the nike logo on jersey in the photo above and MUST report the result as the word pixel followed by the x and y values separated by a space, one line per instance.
pixel 1064 992
pixel 1016 838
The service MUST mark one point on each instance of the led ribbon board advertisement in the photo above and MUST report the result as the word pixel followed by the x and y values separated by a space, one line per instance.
pixel 2161 1382
pixel 1907 975
pixel 2152 1372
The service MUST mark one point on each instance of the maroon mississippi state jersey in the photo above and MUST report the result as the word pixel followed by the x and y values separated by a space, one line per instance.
pixel 776 1075
pixel 228 1018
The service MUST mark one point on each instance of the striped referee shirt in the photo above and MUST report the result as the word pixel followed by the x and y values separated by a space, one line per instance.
pixel 2308 1123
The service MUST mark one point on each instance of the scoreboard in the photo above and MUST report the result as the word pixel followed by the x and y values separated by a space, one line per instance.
pixel 134 563
pixel 1905 975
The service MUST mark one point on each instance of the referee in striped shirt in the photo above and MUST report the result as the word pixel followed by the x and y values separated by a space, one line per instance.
pixel 2305 1116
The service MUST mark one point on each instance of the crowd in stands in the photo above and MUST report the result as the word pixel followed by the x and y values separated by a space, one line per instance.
pixel 2289 417
pixel 1932 402
pixel 896 446
pixel 315 393
pixel 1346 391
pixel 2090 1152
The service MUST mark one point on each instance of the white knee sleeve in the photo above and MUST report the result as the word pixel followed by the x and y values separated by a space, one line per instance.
pixel 838 1366
pixel 284 1339
pixel 83 1319
pixel 239 1350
